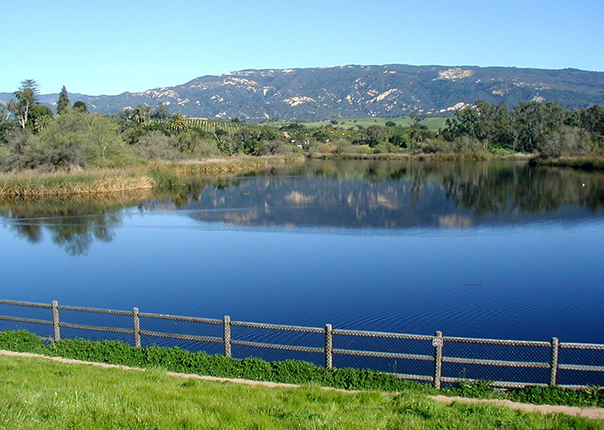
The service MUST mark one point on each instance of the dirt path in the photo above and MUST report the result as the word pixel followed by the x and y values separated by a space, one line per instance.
pixel 593 413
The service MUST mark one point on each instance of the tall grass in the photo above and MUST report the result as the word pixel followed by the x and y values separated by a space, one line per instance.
pixel 38 394
pixel 585 163
pixel 34 185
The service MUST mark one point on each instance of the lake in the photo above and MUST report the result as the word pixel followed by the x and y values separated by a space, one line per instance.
pixel 481 249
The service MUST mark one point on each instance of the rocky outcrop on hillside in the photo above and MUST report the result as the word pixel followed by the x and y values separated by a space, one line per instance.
pixel 356 91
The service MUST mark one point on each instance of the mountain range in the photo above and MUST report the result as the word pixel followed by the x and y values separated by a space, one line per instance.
pixel 354 92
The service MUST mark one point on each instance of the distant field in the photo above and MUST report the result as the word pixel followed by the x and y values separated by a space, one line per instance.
pixel 210 125
pixel 433 123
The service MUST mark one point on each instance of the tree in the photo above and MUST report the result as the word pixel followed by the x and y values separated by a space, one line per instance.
pixel 178 124
pixel 6 126
pixel 63 102
pixel 4 112
pixel 489 124
pixel 534 120
pixel 42 123
pixel 374 135
pixel 25 97
pixel 398 139
pixel 141 114
pixel 162 111
pixel 35 112
pixel 80 106
pixel 592 119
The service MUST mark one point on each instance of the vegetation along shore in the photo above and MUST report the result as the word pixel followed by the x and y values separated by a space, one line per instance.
pixel 34 138
pixel 287 372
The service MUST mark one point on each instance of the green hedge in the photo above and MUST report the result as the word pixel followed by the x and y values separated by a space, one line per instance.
pixel 180 360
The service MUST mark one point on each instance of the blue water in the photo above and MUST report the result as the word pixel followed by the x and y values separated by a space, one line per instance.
pixel 493 250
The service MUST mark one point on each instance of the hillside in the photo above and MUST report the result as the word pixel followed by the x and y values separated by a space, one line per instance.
pixel 356 91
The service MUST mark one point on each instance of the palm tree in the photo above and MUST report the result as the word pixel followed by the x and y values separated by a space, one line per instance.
pixel 141 114
pixel 42 122
pixel 178 123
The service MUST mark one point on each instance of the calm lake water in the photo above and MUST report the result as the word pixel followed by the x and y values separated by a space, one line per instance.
pixel 500 250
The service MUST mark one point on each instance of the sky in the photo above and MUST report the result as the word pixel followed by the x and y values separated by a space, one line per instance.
pixel 109 46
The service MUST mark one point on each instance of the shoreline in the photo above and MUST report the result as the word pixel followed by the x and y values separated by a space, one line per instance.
pixel 33 185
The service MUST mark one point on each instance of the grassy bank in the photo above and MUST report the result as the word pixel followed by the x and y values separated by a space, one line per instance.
pixel 438 156
pixel 289 371
pixel 33 184
pixel 38 394
pixel 585 163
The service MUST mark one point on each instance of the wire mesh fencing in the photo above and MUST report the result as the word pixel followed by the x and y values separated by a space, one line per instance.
pixel 437 359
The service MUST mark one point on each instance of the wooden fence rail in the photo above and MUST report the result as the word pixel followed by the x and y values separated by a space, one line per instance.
pixel 438 343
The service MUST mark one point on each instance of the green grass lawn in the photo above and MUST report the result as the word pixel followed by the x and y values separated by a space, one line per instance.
pixel 41 394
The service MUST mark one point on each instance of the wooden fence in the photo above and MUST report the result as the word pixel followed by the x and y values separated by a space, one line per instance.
pixel 438 343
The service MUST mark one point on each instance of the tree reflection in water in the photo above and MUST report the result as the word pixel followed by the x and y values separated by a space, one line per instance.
pixel 339 194
pixel 74 224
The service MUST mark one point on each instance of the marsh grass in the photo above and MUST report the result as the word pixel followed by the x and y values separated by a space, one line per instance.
pixel 39 394
pixel 220 167
pixel 32 184
pixel 411 156
pixel 35 185
pixel 585 163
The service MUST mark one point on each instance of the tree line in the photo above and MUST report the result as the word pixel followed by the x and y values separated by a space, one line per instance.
pixel 32 136
pixel 531 126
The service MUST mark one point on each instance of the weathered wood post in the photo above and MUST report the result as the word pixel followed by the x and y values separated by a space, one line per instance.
pixel 553 363
pixel 137 327
pixel 328 346
pixel 437 343
pixel 227 336
pixel 55 320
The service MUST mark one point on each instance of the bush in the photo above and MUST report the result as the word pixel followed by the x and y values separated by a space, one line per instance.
pixel 156 146
pixel 21 341
pixel 75 140
pixel 385 148
pixel 556 395
pixel 342 146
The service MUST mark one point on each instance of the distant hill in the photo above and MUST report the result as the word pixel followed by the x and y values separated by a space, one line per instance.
pixel 356 91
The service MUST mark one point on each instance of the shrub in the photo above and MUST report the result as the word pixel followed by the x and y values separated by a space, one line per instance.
pixel 156 146
pixel 76 140
pixel 21 341
pixel 166 178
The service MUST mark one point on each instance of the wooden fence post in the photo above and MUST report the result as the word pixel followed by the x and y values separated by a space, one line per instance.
pixel 553 369
pixel 227 336
pixel 437 343
pixel 137 328
pixel 328 346
pixel 55 320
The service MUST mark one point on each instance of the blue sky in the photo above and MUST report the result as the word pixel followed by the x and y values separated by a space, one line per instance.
pixel 108 47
